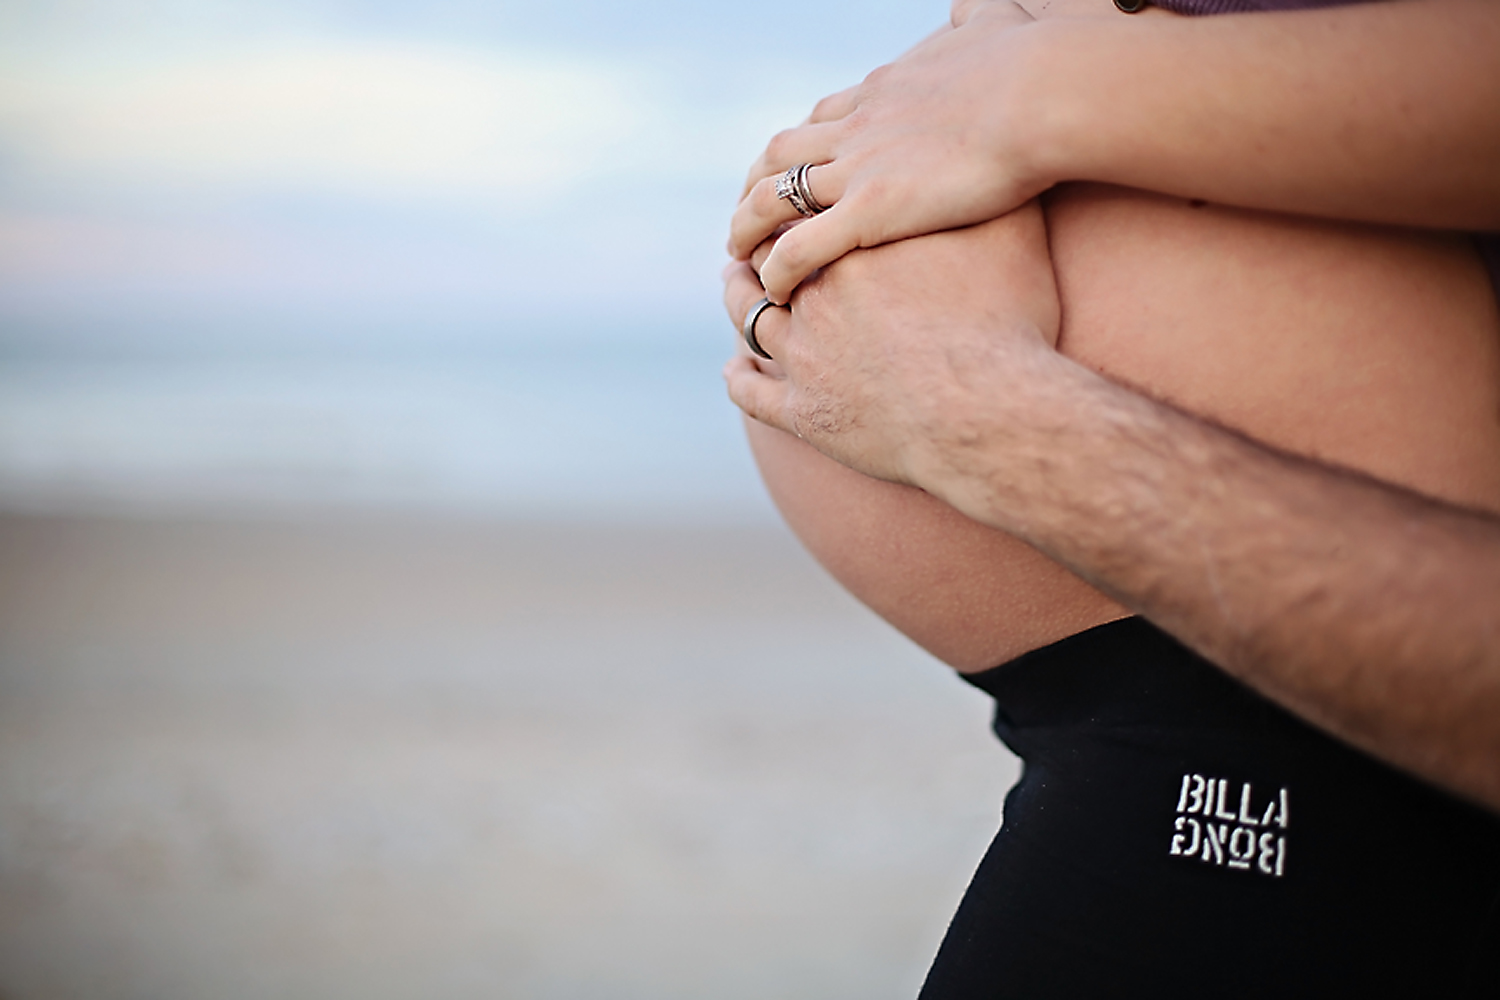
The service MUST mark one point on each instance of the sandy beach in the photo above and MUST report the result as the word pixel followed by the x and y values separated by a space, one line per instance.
pixel 406 758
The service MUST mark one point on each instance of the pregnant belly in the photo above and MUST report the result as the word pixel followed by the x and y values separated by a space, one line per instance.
pixel 1374 349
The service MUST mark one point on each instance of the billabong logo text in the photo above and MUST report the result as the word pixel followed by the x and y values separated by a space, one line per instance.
pixel 1222 825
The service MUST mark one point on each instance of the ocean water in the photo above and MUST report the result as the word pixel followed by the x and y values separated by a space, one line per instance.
pixel 575 432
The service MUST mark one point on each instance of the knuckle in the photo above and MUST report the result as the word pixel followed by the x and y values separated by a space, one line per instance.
pixel 865 209
pixel 829 107
pixel 851 125
pixel 756 401
pixel 745 397
pixel 779 148
pixel 877 190
pixel 878 77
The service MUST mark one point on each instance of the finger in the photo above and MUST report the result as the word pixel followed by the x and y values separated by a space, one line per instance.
pixel 741 291
pixel 772 327
pixel 759 215
pixel 762 397
pixel 835 106
pixel 805 248
pixel 811 143
pixel 962 10
pixel 759 255
pixel 763 211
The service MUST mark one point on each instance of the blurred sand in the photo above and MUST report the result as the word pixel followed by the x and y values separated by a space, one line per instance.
pixel 402 759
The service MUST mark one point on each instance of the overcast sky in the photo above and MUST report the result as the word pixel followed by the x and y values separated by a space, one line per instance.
pixel 327 174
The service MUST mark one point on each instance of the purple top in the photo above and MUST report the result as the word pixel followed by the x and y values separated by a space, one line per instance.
pixel 1245 6
pixel 1489 243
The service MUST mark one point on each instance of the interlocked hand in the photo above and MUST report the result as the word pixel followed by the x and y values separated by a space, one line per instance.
pixel 922 145
pixel 888 350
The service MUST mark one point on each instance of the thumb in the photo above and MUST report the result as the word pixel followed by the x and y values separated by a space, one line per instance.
pixel 760 396
pixel 806 247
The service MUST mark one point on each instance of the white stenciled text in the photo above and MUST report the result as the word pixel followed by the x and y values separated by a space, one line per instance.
pixel 1227 824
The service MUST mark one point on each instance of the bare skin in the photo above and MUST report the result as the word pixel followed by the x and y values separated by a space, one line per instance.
pixel 969 594
pixel 1208 308
pixel 1205 308
pixel 1379 112
pixel 1364 607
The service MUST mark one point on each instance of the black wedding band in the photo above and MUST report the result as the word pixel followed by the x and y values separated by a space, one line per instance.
pixel 751 318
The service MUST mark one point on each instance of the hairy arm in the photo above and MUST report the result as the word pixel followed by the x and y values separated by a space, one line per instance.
pixel 1385 112
pixel 1369 610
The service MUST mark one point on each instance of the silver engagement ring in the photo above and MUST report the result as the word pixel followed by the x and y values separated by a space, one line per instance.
pixel 792 186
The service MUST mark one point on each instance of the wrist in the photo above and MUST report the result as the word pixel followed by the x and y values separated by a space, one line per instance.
pixel 1094 105
pixel 1059 95
pixel 988 440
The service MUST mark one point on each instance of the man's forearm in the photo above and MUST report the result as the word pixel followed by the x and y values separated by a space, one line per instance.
pixel 1372 612
pixel 1381 112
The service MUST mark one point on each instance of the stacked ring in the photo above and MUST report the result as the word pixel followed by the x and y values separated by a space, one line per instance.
pixel 751 318
pixel 792 186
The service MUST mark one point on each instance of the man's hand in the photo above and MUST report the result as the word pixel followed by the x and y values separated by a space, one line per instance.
pixel 876 349
pixel 1368 610
pixel 925 144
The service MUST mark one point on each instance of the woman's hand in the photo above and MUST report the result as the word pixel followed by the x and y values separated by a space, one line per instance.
pixel 883 351
pixel 926 143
